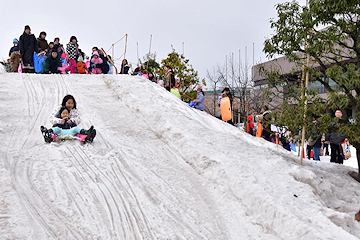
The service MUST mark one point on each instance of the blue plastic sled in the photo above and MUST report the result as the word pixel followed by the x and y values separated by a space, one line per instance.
pixel 38 62
pixel 192 104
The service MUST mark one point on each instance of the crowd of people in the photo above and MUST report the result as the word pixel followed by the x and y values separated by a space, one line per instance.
pixel 30 54
pixel 317 144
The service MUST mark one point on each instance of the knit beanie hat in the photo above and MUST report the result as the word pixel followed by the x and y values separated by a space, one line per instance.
pixel 80 59
pixel 27 27
pixel 15 40
pixel 15 49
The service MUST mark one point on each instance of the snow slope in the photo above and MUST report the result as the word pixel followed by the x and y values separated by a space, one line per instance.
pixel 156 170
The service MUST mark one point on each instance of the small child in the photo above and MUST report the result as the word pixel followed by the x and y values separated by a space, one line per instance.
pixel 65 127
pixel 81 66
pixel 95 60
pixel 15 59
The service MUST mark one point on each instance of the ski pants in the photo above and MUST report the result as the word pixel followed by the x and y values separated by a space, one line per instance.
pixel 96 71
pixel 71 132
pixel 72 66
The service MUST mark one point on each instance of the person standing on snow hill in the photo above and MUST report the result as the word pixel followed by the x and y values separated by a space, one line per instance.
pixel 169 78
pixel 59 46
pixel 104 65
pixel 200 99
pixel 15 59
pixel 15 43
pixel 66 128
pixel 152 77
pixel 335 139
pixel 95 62
pixel 52 63
pixel 28 45
pixel 74 116
pixel 250 125
pixel 42 43
pixel 124 67
pixel 259 126
pixel 72 54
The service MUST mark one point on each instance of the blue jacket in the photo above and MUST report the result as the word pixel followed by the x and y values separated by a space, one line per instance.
pixel 200 104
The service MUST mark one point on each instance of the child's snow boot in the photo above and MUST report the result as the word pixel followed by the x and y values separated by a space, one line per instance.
pixel 86 132
pixel 91 133
pixel 47 134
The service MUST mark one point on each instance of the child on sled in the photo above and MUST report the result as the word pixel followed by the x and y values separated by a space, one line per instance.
pixel 65 127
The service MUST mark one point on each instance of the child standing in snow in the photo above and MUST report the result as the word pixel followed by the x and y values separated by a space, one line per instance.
pixel 15 59
pixel 94 61
pixel 74 116
pixel 81 66
pixel 65 127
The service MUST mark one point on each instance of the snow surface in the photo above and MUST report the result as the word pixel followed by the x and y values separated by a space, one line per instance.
pixel 157 170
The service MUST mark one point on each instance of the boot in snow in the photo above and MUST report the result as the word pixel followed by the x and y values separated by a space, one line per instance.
pixel 86 132
pixel 47 134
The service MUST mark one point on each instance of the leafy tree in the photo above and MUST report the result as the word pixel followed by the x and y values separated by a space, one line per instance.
pixel 183 71
pixel 329 32
pixel 150 64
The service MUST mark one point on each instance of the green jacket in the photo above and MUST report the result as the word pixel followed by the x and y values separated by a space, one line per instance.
pixel 50 65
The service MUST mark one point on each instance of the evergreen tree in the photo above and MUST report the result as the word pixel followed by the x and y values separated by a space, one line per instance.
pixel 329 32
pixel 150 64
pixel 183 71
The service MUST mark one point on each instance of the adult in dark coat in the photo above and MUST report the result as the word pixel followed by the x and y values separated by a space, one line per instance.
pixel 52 62
pixel 42 43
pixel 28 45
pixel 335 139
pixel 104 66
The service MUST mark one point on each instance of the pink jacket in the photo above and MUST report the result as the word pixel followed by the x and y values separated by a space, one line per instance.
pixel 97 60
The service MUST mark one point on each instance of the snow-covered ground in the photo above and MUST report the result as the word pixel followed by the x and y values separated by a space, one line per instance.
pixel 157 170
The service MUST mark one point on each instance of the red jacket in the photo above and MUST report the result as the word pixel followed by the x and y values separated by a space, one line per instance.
pixel 250 124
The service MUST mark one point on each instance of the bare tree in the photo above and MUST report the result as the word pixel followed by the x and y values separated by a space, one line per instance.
pixel 214 78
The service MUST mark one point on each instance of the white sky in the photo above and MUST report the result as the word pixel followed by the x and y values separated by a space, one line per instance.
pixel 210 29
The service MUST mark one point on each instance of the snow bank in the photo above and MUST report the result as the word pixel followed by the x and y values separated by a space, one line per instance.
pixel 156 170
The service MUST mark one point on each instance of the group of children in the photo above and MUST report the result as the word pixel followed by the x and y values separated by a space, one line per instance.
pixel 65 119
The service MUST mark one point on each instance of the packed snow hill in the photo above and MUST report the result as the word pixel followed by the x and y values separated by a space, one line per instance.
pixel 157 169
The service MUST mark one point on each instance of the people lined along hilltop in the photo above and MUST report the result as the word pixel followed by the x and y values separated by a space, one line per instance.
pixel 29 54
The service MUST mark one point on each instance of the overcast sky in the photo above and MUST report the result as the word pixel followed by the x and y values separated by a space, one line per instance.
pixel 209 29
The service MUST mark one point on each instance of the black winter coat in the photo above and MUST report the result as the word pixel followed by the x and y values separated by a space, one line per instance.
pixel 333 136
pixel 124 69
pixel 11 50
pixel 28 45
pixel 51 64
pixel 104 66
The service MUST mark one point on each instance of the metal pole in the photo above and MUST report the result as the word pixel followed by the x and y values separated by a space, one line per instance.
pixel 183 48
pixel 150 45
pixel 125 45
